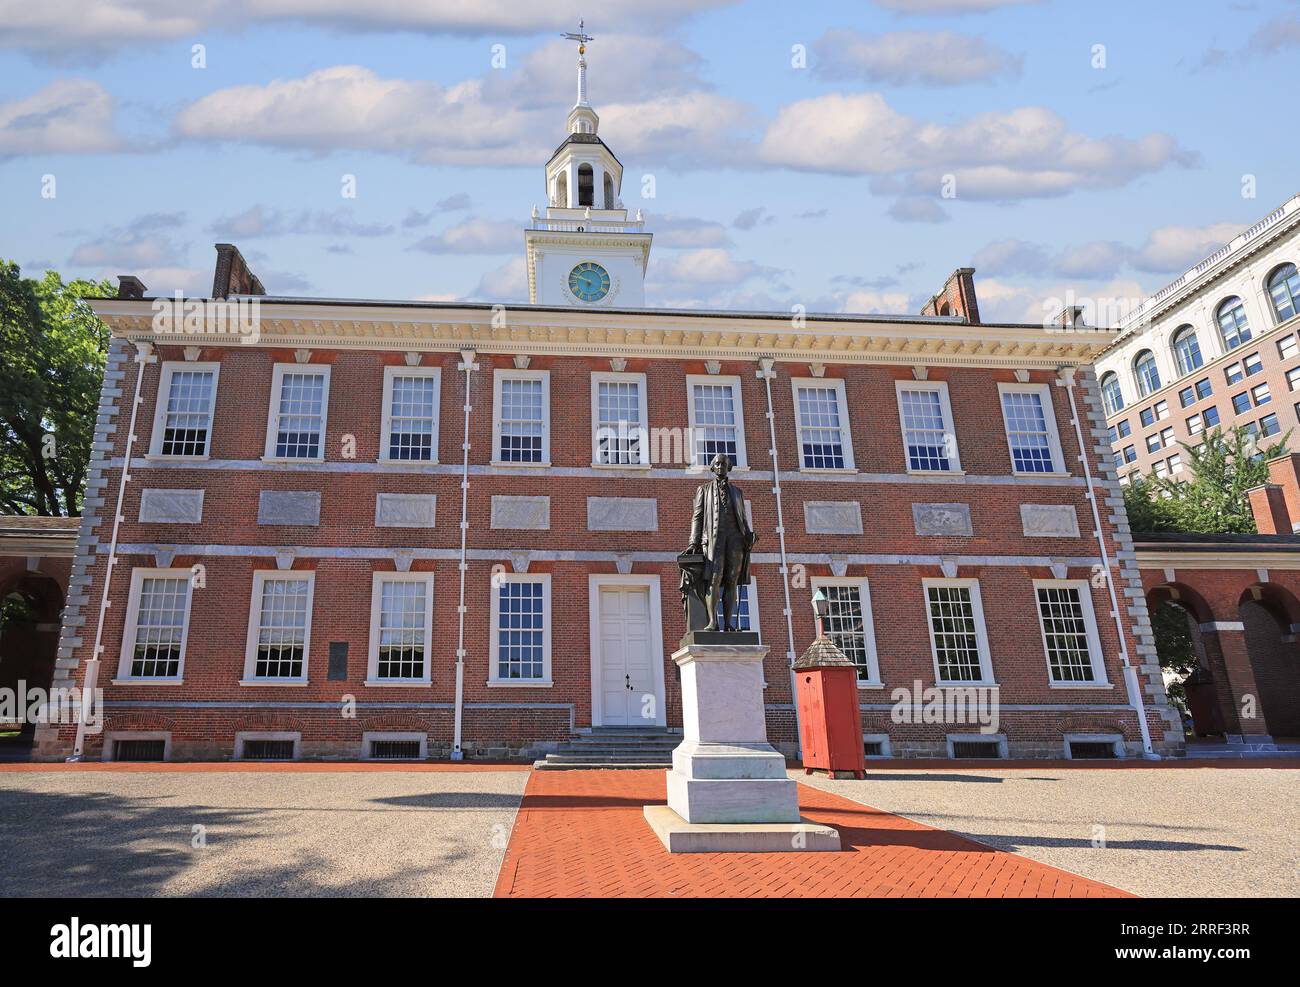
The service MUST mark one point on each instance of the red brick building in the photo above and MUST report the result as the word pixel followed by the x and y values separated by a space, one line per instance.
pixel 352 525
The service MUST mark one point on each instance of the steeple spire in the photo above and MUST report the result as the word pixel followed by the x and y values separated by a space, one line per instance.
pixel 582 37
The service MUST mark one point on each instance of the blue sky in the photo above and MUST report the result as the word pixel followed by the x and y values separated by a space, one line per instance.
pixel 776 184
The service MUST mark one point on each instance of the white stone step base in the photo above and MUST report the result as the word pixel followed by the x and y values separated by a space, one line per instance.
pixel 679 836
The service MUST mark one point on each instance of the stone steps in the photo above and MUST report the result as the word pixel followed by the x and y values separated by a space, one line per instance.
pixel 613 747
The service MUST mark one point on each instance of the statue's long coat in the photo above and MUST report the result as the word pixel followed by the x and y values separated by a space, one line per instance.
pixel 704 523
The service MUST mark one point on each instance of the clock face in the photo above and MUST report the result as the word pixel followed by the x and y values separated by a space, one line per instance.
pixel 589 282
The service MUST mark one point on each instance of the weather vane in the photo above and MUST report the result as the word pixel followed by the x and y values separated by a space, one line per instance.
pixel 581 36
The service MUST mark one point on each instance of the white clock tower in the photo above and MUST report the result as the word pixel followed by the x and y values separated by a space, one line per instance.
pixel 585 251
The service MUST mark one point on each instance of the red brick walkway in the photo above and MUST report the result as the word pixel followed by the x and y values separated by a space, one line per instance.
pixel 582 834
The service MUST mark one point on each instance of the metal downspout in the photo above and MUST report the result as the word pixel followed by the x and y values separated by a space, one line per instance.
pixel 468 365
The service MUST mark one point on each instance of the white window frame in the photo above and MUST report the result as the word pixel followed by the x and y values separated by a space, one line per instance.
pixel 873 680
pixel 260 577
pixel 950 432
pixel 612 377
pixel 1095 654
pixel 377 579
pixel 386 428
pixel 273 412
pixel 169 368
pixel 1044 391
pixel 737 403
pixel 494 650
pixel 981 632
pixel 129 630
pixel 846 436
pixel 500 375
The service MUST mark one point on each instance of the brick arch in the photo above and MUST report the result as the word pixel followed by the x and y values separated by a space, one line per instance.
pixel 396 723
pixel 269 722
pixel 1186 596
pixel 1092 724
pixel 1269 614
pixel 119 722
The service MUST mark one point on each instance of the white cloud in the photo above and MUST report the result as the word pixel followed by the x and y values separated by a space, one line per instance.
pixel 147 242
pixel 707 266
pixel 877 302
pixel 918 209
pixel 507 283
pixel 940 58
pixel 671 230
pixel 1170 249
pixel 68 116
pixel 258 221
pixel 65 30
pixel 1027 152
pixel 474 236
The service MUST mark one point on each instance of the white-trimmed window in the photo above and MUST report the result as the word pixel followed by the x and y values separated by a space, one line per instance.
pixel 401 628
pixel 1030 423
pixel 295 427
pixel 619 420
pixel 929 439
pixel 411 403
pixel 279 626
pixel 157 625
pixel 521 417
pixel 821 414
pixel 746 612
pixel 958 641
pixel 716 418
pixel 1287 347
pixel 182 424
pixel 521 629
pixel 1070 637
pixel 849 622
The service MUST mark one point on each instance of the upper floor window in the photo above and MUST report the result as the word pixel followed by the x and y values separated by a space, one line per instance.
pixel 1203 389
pixel 1146 373
pixel 1112 398
pixel 1069 628
pixel 401 627
pixel 1187 349
pixel 299 402
pixel 619 430
pixel 410 429
pixel 822 418
pixel 849 622
pixel 157 624
pixel 521 629
pixel 182 423
pixel 1233 325
pixel 279 626
pixel 929 439
pixel 1284 290
pixel 522 417
pixel 957 636
pixel 746 612
pixel 716 419
pixel 1031 428
pixel 1287 347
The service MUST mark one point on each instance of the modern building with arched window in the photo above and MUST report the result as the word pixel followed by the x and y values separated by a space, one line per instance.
pixel 1284 290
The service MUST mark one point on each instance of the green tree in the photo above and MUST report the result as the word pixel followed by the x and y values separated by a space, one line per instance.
pixel 52 351
pixel 1214 500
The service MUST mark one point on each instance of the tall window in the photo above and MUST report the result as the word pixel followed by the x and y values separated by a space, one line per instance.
pixel 928 435
pixel 522 419
pixel 1187 350
pixel 849 622
pixel 716 419
pixel 279 626
pixel 183 417
pixel 1112 398
pixel 1069 632
pixel 410 430
pixel 1146 373
pixel 1233 325
pixel 746 612
pixel 957 634
pixel 619 436
pixel 1284 290
pixel 586 185
pixel 157 620
pixel 401 627
pixel 1031 428
pixel 521 630
pixel 299 400
pixel 823 425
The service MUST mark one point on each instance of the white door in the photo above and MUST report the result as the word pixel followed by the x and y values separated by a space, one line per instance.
pixel 628 693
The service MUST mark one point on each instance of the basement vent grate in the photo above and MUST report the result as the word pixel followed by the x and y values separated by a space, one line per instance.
pixel 1092 750
pixel 976 748
pixel 873 748
pixel 268 750
pixel 395 750
pixel 138 750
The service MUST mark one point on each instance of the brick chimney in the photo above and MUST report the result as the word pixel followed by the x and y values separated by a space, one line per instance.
pixel 1070 317
pixel 957 297
pixel 1284 473
pixel 1268 505
pixel 129 286
pixel 232 275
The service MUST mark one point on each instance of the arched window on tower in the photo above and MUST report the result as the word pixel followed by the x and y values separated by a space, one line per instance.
pixel 1233 325
pixel 1284 289
pixel 1111 395
pixel 1187 350
pixel 609 191
pixel 1146 373
pixel 562 190
pixel 586 185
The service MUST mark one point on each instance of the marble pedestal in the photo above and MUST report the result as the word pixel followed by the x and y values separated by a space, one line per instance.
pixel 728 788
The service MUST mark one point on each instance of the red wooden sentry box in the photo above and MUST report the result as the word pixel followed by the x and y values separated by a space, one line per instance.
pixel 830 722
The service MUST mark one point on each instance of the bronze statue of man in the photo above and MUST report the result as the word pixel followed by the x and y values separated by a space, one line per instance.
pixel 721 532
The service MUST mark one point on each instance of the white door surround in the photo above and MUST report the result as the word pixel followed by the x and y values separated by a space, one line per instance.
pixel 626 628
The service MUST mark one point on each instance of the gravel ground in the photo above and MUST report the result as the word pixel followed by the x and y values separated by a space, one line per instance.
pixel 89 834
pixel 1181 832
